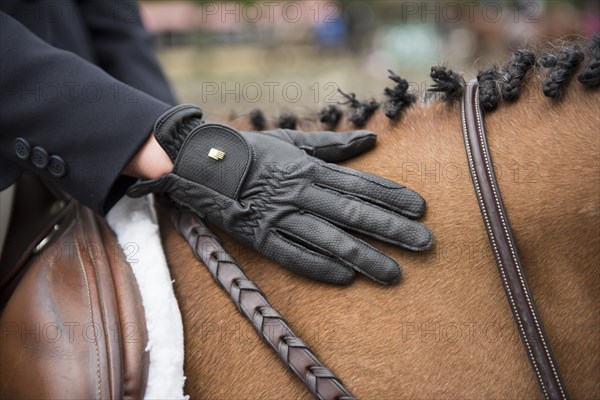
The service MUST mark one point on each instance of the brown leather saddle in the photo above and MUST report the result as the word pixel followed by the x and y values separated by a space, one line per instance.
pixel 72 321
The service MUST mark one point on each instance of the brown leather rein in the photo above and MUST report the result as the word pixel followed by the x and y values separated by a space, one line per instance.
pixel 505 251
pixel 253 304
pixel 301 360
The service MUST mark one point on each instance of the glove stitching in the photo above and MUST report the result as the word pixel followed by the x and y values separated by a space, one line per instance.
pixel 373 234
pixel 180 130
pixel 381 238
pixel 238 136
pixel 212 210
pixel 347 144
pixel 258 203
pixel 163 119
pixel 334 168
pixel 401 211
pixel 251 161
pixel 308 244
pixel 354 238
pixel 273 135
pixel 291 139
pixel 304 249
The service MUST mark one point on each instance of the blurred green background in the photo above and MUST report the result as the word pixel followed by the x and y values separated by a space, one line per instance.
pixel 232 57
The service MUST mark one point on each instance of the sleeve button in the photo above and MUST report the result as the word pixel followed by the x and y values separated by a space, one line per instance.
pixel 57 167
pixel 22 148
pixel 39 157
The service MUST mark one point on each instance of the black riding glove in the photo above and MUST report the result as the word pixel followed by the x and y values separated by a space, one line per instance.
pixel 274 192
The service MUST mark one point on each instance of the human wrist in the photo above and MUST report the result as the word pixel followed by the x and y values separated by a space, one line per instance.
pixel 150 162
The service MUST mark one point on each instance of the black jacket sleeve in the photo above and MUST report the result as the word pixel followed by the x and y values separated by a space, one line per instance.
pixel 122 45
pixel 56 106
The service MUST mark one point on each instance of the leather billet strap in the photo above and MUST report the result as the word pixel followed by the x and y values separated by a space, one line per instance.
pixel 505 251
pixel 253 304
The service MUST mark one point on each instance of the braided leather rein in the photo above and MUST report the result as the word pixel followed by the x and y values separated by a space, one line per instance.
pixel 505 250
pixel 253 304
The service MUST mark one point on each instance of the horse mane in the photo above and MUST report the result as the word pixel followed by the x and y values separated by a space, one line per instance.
pixel 555 66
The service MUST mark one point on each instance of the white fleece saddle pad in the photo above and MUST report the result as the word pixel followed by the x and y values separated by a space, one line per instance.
pixel 136 225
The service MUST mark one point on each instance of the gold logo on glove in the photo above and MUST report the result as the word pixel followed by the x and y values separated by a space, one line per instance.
pixel 216 154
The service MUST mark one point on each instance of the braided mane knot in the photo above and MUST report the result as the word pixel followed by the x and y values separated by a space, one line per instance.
pixel 560 70
pixel 448 82
pixel 330 116
pixel 489 95
pixel 399 97
pixel 590 77
pixel 363 111
pixel 514 74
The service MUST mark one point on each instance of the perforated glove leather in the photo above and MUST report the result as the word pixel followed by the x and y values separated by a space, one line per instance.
pixel 276 191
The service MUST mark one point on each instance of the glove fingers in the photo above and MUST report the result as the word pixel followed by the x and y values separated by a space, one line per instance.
pixel 290 253
pixel 328 239
pixel 352 213
pixel 328 146
pixel 373 189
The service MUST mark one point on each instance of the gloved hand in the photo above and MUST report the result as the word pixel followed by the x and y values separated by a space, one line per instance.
pixel 274 192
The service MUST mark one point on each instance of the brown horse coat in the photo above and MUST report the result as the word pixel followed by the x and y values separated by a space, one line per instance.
pixel 446 330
